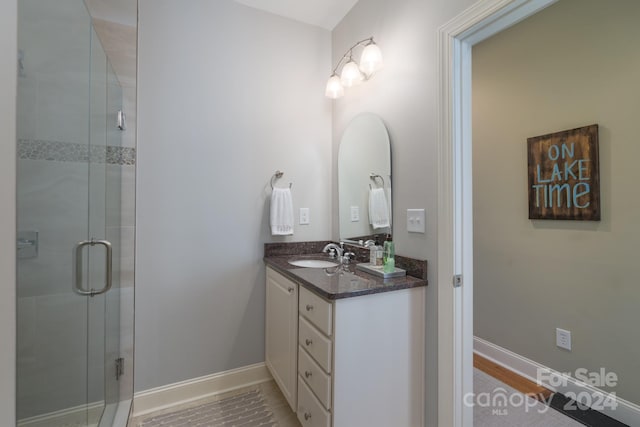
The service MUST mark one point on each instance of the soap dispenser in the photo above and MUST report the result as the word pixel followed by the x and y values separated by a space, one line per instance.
pixel 376 254
pixel 373 250
pixel 389 261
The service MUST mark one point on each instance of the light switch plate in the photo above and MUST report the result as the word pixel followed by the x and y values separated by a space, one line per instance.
pixel 415 220
pixel 355 213
pixel 563 338
pixel 304 216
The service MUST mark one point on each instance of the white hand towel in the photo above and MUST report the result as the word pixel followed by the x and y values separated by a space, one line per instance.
pixel 378 208
pixel 281 212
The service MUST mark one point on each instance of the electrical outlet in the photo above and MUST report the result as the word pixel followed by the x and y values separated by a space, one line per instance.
pixel 563 339
pixel 304 216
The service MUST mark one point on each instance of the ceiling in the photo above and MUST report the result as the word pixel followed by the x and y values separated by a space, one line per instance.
pixel 322 13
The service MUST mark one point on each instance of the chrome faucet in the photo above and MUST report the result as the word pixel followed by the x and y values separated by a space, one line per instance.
pixel 339 250
pixel 369 243
pixel 347 257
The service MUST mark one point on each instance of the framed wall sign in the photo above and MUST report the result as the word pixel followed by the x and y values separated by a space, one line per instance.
pixel 564 179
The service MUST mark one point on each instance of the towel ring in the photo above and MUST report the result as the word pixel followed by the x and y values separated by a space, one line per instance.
pixel 373 176
pixel 278 175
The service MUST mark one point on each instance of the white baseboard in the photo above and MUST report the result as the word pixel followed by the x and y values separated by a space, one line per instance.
pixel 159 398
pixel 625 411
pixel 71 416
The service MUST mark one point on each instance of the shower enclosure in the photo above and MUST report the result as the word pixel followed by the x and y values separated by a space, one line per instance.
pixel 75 224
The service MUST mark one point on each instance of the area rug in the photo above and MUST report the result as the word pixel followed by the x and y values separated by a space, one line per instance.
pixel 244 410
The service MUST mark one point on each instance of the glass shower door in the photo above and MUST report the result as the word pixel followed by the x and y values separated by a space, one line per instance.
pixel 105 180
pixel 68 203
pixel 103 244
pixel 53 200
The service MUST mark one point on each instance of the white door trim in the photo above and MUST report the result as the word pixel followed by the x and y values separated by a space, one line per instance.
pixel 455 202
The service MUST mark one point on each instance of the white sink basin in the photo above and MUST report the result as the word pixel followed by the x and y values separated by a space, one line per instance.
pixel 312 263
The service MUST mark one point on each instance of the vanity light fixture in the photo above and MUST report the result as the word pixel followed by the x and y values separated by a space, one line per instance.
pixel 353 73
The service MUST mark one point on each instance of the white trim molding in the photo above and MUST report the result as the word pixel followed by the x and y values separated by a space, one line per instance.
pixel 625 411
pixel 455 211
pixel 160 398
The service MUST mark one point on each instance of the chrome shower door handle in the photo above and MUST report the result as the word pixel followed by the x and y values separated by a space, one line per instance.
pixel 78 262
pixel 121 120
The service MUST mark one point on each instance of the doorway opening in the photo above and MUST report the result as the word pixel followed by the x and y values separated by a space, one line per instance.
pixel 455 202
pixel 455 258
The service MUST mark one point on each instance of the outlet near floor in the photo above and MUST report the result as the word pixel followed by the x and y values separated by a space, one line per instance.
pixel 563 338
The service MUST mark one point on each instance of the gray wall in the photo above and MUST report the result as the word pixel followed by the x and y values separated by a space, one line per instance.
pixel 571 65
pixel 404 94
pixel 8 43
pixel 227 95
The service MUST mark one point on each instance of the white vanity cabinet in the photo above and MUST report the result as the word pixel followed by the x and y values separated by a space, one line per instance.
pixel 281 334
pixel 360 360
pixel 315 360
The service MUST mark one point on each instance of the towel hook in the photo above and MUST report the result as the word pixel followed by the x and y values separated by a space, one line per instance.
pixel 278 175
pixel 373 176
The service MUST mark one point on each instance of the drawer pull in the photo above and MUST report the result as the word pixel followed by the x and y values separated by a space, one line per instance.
pixel 308 374
pixel 309 307
pixel 308 341
pixel 291 289
pixel 307 416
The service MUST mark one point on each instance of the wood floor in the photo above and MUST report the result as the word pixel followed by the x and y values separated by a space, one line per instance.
pixel 510 378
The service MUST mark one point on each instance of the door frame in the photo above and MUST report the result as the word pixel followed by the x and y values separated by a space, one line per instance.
pixel 455 198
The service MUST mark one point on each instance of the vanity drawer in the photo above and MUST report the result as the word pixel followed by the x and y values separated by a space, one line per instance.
pixel 318 346
pixel 317 310
pixel 310 410
pixel 316 379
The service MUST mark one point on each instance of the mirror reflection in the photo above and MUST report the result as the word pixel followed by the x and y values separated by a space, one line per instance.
pixel 364 179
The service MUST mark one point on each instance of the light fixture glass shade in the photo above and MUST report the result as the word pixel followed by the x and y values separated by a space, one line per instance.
pixel 371 59
pixel 351 74
pixel 334 87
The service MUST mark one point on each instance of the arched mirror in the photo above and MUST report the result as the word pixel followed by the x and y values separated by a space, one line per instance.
pixel 364 179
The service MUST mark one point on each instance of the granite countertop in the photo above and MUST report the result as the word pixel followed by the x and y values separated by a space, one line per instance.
pixel 343 283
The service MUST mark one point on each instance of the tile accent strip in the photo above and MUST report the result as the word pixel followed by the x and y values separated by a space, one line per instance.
pixel 73 152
